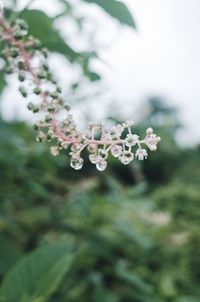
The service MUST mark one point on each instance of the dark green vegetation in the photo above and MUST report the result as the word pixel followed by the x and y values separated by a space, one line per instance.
pixel 130 234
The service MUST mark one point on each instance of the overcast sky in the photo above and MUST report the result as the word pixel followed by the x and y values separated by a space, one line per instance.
pixel 161 58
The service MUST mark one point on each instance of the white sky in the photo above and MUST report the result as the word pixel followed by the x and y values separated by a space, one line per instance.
pixel 161 58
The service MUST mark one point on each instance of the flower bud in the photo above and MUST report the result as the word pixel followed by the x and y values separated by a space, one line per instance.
pixel 21 76
pixel 37 90
pixel 23 91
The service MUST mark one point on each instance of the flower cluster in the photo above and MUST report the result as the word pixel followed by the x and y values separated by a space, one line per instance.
pixel 25 56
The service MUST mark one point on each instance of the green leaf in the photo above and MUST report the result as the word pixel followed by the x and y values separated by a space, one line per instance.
pixel 93 76
pixel 38 274
pixel 9 254
pixel 129 232
pixel 101 293
pixel 188 299
pixel 2 79
pixel 132 278
pixel 117 10
pixel 41 27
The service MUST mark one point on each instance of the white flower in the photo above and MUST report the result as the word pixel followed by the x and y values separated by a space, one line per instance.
pixel 87 134
pixel 64 145
pixel 116 150
pixel 151 141
pixel 76 147
pixel 102 153
pixel 106 136
pixel 128 123
pixel 93 158
pixel 54 150
pixel 149 131
pixel 131 140
pixel 141 154
pixel 101 164
pixel 76 162
pixel 126 157
pixel 116 131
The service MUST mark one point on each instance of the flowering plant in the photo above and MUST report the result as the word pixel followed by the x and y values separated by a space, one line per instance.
pixel 25 56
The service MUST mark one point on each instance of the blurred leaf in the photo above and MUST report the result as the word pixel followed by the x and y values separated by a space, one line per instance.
pixel 31 217
pixel 93 76
pixel 9 254
pixel 41 26
pixel 37 275
pixel 117 10
pixel 85 62
pixel 128 230
pixel 123 253
pixel 102 294
pixel 188 299
pixel 132 278
pixel 167 286
pixel 2 79
pixel 66 11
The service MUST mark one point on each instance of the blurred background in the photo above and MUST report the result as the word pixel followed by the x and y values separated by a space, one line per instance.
pixel 130 234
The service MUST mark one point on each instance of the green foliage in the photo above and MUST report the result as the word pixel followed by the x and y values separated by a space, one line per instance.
pixel 180 199
pixel 37 275
pixel 9 254
pixel 41 27
pixel 2 79
pixel 115 242
pixel 117 10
